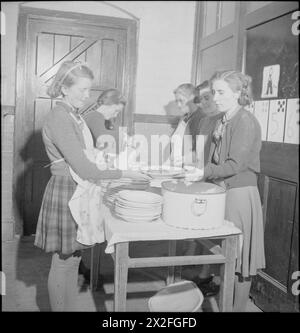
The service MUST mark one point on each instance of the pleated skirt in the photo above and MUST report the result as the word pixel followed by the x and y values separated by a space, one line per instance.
pixel 243 208
pixel 56 229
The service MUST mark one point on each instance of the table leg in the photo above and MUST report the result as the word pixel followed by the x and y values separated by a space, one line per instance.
pixel 229 247
pixel 95 266
pixel 171 269
pixel 120 276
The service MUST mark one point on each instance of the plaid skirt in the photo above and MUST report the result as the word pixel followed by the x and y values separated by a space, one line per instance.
pixel 56 229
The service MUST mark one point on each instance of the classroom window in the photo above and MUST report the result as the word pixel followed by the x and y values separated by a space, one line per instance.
pixel 217 14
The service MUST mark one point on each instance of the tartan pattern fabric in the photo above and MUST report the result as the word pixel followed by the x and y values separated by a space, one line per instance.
pixel 56 228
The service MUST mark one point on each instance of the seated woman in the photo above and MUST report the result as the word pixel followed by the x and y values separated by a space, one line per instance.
pixel 203 124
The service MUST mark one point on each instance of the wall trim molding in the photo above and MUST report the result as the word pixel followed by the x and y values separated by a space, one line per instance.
pixel 155 119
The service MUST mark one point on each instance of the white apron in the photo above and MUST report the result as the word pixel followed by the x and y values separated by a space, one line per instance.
pixel 85 204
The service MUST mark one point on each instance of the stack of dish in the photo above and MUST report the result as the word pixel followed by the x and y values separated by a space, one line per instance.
pixel 161 173
pixel 111 188
pixel 138 206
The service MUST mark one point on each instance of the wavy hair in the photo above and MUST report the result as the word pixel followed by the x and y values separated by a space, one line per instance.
pixel 237 81
pixel 67 75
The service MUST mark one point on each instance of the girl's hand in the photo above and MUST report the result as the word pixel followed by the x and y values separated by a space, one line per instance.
pixel 135 175
pixel 193 174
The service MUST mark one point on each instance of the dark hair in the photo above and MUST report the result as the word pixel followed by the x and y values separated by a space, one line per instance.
pixel 111 96
pixel 203 85
pixel 237 82
pixel 67 75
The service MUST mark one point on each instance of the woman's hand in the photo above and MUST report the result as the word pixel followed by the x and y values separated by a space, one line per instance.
pixel 193 174
pixel 135 175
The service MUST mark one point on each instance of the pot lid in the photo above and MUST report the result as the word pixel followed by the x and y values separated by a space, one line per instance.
pixel 181 186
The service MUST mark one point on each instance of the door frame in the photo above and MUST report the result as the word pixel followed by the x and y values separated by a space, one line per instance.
pixel 27 14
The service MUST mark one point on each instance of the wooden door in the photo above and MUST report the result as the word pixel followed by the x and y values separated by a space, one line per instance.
pixel 49 43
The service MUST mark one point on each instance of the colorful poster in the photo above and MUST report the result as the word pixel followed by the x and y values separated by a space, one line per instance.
pixel 291 132
pixel 270 81
pixel 261 112
pixel 276 120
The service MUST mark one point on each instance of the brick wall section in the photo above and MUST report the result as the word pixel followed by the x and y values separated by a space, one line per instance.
pixel 7 148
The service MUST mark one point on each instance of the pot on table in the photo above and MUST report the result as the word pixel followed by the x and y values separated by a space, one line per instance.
pixel 197 205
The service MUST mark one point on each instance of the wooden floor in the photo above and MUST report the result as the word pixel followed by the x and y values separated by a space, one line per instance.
pixel 26 269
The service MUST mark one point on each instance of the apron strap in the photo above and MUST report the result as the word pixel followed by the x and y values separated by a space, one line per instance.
pixel 53 162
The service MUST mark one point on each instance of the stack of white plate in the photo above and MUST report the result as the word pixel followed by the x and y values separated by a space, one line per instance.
pixel 111 188
pixel 162 171
pixel 138 206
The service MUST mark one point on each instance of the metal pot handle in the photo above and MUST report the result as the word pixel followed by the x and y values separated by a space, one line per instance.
pixel 198 206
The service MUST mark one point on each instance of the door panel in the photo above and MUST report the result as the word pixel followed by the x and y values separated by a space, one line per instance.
pixel 278 236
pixel 102 48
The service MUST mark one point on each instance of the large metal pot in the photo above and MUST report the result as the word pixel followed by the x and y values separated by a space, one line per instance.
pixel 198 205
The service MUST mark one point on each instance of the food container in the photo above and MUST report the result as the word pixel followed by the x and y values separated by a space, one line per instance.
pixel 197 205
pixel 182 296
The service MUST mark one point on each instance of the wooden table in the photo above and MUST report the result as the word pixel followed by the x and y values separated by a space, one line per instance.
pixel 119 234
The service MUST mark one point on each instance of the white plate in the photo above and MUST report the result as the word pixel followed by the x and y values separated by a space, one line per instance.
pixel 146 205
pixel 136 220
pixel 162 171
pixel 137 216
pixel 139 209
pixel 140 196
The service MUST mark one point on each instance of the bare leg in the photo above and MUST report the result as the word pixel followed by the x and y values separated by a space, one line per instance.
pixel 241 294
pixel 56 284
pixel 62 282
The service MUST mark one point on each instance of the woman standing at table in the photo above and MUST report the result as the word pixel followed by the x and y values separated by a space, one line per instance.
pixel 234 164
pixel 65 136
